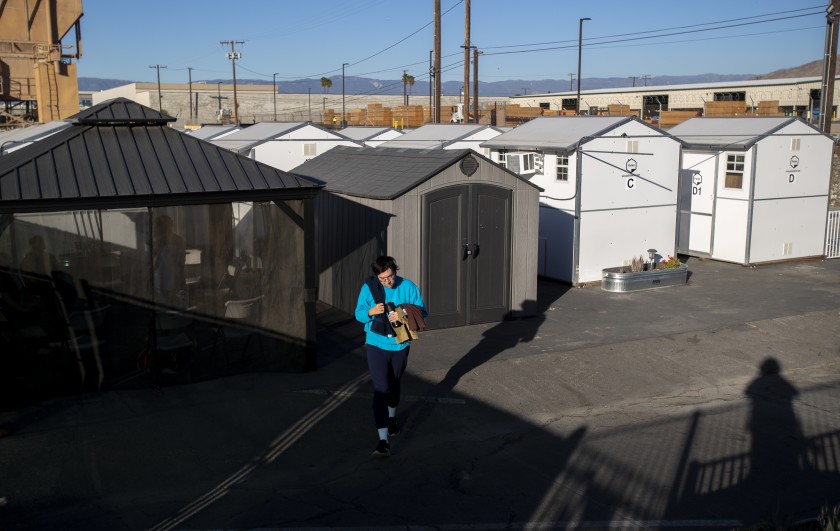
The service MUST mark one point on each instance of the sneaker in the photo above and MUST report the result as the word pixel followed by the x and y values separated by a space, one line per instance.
pixel 393 427
pixel 383 449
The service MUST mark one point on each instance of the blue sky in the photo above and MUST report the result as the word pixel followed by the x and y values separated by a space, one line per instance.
pixel 526 39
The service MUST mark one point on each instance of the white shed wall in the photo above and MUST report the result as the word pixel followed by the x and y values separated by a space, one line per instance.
pixel 788 228
pixel 288 154
pixel 608 184
pixel 611 238
pixel 779 175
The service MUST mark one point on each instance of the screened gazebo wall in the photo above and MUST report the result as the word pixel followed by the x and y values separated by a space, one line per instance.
pixel 154 295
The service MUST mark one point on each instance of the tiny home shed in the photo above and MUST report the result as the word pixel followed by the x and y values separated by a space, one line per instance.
pixel 446 136
pixel 610 190
pixel 460 226
pixel 282 145
pixel 753 189
pixel 133 253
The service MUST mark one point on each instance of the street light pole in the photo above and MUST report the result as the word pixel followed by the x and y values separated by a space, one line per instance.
pixel 343 112
pixel 274 84
pixel 580 43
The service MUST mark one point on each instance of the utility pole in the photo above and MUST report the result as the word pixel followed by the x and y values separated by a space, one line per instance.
pixel 437 61
pixel 274 96
pixel 189 72
pixel 160 96
pixel 466 48
pixel 431 83
pixel 634 80
pixel 829 66
pixel 233 55
pixel 475 83
pixel 343 112
pixel 645 78
pixel 571 81
pixel 309 103
pixel 274 84
pixel 405 97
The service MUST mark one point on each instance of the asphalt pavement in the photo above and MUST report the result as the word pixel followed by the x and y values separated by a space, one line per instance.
pixel 710 405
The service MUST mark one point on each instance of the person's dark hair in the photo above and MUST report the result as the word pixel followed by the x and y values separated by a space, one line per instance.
pixel 382 264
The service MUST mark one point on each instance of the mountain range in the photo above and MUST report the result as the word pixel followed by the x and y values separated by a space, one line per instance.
pixel 364 85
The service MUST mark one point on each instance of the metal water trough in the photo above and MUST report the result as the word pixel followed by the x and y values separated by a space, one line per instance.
pixel 615 280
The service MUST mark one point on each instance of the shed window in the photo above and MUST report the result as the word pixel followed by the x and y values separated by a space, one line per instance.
pixel 632 146
pixel 794 144
pixel 734 172
pixel 528 162
pixel 503 159
pixel 310 150
pixel 562 168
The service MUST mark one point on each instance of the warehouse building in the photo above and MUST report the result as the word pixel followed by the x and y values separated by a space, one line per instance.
pixel 765 97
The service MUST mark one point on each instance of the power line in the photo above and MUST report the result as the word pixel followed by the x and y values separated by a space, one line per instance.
pixel 668 29
pixel 650 37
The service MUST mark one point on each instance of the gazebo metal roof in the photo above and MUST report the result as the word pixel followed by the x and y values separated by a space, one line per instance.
pixel 122 154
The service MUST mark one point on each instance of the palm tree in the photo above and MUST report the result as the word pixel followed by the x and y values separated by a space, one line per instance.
pixel 326 83
pixel 410 84
pixel 407 79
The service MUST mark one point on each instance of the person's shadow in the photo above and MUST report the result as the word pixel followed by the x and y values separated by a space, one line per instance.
pixel 501 337
pixel 763 483
pixel 777 450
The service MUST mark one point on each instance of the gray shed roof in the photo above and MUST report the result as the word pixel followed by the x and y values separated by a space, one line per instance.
pixel 16 138
pixel 381 173
pixel 560 134
pixel 364 133
pixel 248 137
pixel 124 162
pixel 209 132
pixel 736 132
pixel 435 136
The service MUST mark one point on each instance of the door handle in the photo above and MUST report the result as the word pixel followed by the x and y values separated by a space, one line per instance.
pixel 467 251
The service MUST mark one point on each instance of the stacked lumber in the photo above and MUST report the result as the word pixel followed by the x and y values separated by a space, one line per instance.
pixel 357 117
pixel 618 109
pixel 549 112
pixel 726 108
pixel 409 116
pixel 377 114
pixel 671 118
pixel 329 114
pixel 514 110
pixel 445 114
pixel 769 108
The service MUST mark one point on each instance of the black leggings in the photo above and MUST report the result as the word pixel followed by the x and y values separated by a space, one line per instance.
pixel 386 368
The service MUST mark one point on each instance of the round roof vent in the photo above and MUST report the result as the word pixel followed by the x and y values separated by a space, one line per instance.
pixel 468 165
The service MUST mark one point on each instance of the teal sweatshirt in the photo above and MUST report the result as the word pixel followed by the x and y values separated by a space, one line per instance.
pixel 404 291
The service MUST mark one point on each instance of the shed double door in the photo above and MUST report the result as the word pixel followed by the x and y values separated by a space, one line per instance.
pixel 466 264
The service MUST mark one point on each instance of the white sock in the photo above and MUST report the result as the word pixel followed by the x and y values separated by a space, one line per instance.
pixel 392 412
pixel 383 434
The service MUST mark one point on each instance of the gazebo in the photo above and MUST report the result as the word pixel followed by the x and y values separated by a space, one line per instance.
pixel 133 253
